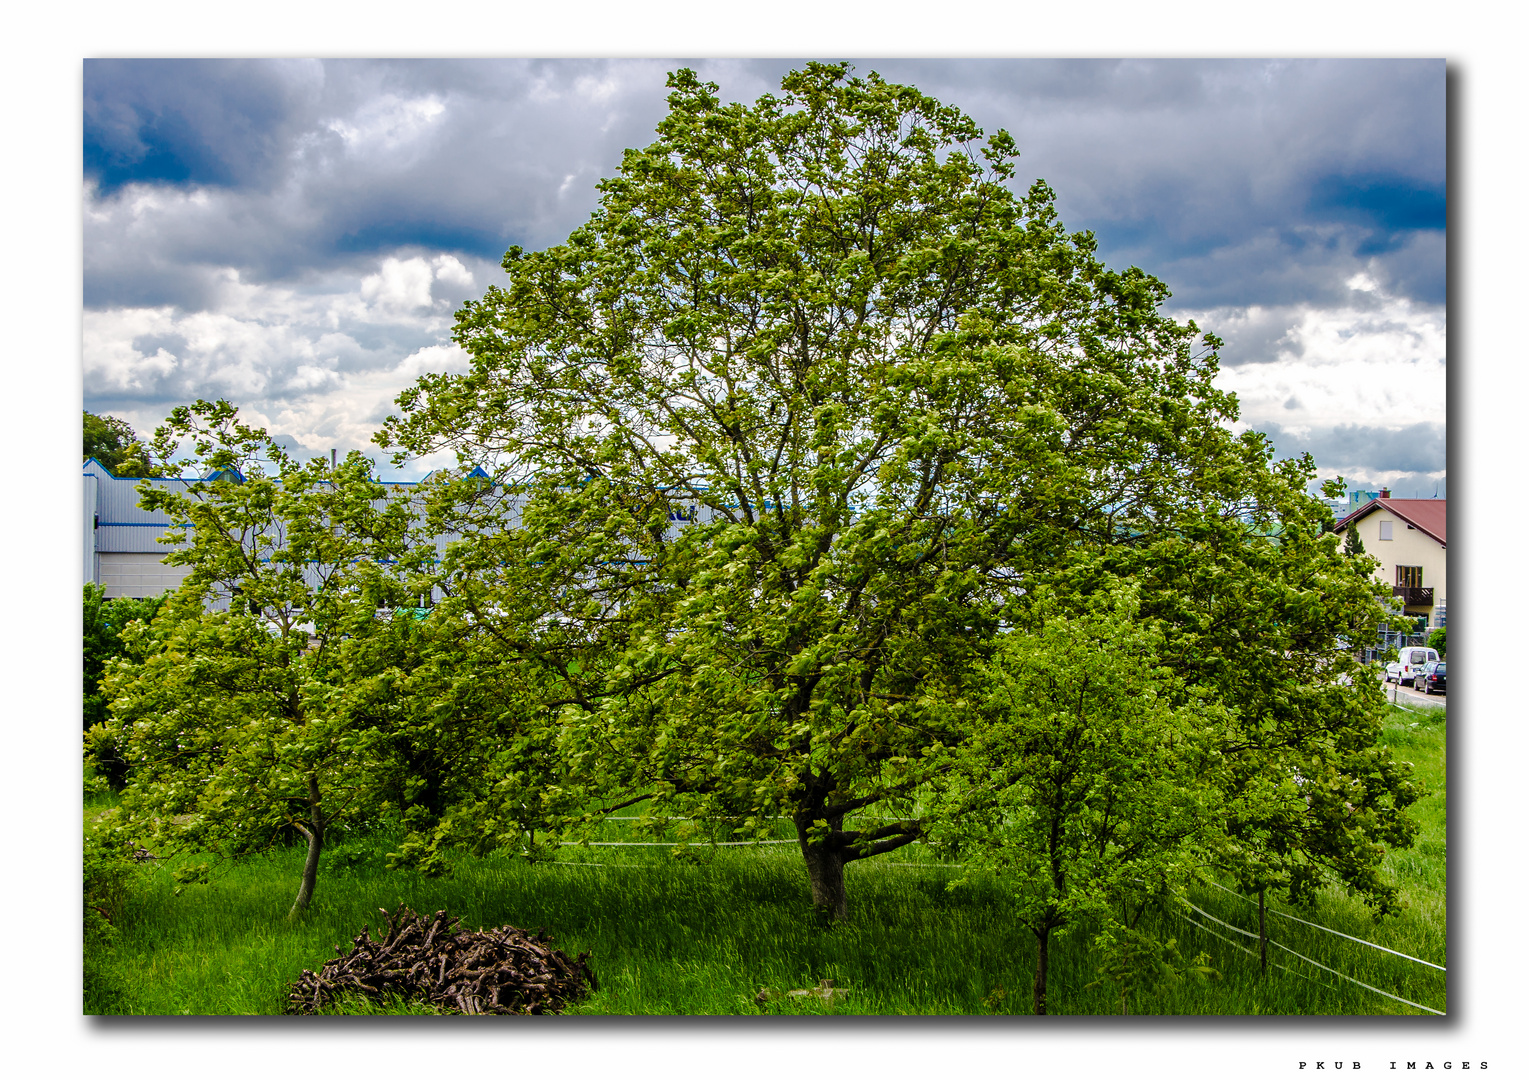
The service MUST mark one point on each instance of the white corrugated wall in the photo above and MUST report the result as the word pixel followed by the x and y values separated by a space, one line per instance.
pixel 92 572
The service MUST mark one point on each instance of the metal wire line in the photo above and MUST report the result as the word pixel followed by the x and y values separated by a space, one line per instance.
pixel 1340 933
pixel 1308 959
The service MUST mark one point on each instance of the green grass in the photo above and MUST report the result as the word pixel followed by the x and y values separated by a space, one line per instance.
pixel 705 935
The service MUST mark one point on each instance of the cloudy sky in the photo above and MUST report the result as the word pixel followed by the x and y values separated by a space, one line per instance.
pixel 294 235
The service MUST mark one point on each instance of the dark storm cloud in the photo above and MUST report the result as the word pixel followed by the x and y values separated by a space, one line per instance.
pixel 220 122
pixel 1235 181
pixel 312 166
pixel 1415 449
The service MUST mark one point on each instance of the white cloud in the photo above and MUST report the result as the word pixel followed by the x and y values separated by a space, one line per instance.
pixel 312 377
pixel 388 122
pixel 112 364
pixel 321 365
pixel 402 286
pixel 1377 361
pixel 449 268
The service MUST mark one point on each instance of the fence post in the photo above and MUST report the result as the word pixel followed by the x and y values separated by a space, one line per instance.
pixel 1263 936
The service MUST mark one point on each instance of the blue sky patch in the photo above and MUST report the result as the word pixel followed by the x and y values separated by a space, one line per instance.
pixel 1388 203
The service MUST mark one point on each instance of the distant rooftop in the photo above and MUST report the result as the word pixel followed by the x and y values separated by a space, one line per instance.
pixel 1428 515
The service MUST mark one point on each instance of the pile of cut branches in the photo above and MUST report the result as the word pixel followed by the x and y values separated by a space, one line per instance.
pixel 504 971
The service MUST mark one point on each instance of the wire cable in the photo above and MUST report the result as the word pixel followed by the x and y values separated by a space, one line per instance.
pixel 1308 959
pixel 668 843
pixel 1330 930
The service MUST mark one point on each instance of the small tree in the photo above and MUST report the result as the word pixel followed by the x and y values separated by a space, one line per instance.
pixel 1258 608
pixel 1139 963
pixel 234 720
pixel 1437 640
pixel 1093 779
pixel 1352 544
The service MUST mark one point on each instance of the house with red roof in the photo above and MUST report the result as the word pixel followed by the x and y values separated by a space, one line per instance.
pixel 1409 537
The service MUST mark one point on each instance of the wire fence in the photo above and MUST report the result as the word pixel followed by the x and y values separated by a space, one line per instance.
pixel 1329 930
pixel 1262 939
pixel 1279 945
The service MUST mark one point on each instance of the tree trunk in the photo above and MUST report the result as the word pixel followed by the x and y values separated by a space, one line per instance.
pixel 1042 961
pixel 315 836
pixel 825 873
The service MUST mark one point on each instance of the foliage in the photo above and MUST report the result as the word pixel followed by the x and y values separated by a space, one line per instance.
pixel 1094 780
pixel 108 881
pixel 115 444
pixel 457 755
pixel 1137 963
pixel 1437 640
pixel 104 622
pixel 1258 607
pixel 231 704
pixel 888 394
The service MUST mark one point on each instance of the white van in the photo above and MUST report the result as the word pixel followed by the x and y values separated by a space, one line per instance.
pixel 1406 665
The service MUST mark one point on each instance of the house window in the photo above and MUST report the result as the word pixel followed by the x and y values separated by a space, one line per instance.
pixel 1385 530
pixel 1410 576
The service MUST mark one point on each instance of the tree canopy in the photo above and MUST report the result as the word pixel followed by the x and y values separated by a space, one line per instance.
pixel 890 401
pixel 115 444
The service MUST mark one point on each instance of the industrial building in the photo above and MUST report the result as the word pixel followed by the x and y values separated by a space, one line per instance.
pixel 122 548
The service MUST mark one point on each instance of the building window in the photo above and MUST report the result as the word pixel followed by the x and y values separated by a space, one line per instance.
pixel 1385 530
pixel 1410 577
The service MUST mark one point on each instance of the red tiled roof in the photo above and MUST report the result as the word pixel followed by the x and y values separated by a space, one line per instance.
pixel 1426 514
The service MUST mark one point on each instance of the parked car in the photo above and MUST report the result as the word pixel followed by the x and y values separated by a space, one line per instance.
pixel 1403 668
pixel 1430 678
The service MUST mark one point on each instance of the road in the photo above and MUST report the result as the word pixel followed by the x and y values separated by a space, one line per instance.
pixel 1405 695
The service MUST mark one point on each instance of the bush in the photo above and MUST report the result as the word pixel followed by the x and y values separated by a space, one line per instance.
pixel 104 622
pixel 108 881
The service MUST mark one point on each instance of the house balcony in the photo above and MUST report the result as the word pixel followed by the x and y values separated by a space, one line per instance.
pixel 1414 595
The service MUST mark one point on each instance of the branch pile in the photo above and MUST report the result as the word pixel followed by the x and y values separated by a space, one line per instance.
pixel 503 971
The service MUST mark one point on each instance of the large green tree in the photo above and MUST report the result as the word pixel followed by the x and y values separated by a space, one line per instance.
pixel 890 397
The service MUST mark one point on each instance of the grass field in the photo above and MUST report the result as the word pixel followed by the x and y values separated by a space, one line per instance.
pixel 705 935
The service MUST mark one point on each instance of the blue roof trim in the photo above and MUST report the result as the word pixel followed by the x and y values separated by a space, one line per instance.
pixel 476 473
pixel 168 479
